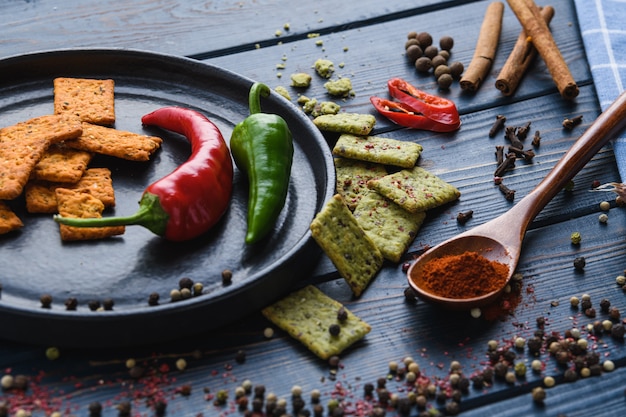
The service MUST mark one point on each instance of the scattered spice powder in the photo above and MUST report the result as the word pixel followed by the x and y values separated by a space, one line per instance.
pixel 467 275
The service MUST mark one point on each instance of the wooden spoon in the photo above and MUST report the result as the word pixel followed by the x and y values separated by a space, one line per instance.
pixel 501 239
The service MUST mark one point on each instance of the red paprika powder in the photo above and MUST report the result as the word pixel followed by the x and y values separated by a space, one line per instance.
pixel 467 275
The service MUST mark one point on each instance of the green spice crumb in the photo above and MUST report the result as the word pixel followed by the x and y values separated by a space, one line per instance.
pixel 283 92
pixel 301 80
pixel 339 88
pixel 313 35
pixel 53 353
pixel 280 66
pixel 278 33
pixel 576 238
pixel 329 107
pixel 324 68
pixel 309 106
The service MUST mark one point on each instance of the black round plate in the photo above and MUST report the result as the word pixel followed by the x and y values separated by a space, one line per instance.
pixel 127 269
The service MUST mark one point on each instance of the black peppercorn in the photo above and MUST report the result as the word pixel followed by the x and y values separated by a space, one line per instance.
pixel 570 375
pixel 604 305
pixel 534 345
pixel 108 304
pixel 240 357
pixel 478 381
pixel 71 303
pixel 95 409
pixel 257 405
pixel 617 331
pixel 452 408
pixel 500 369
pixel 159 407
pixel 153 299
pixel 410 295
pixel 383 395
pixel 368 389
pixel 334 329
pixel 259 391
pixel 124 408
pixel 93 305
pixel 464 384
pixel 579 263
pixel 185 282
pixel 46 300
pixel 590 312
pixel 227 277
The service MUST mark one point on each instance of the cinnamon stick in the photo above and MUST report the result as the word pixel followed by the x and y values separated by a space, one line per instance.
pixel 536 28
pixel 486 47
pixel 520 58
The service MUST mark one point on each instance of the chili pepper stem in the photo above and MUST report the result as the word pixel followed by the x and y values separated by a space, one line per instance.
pixel 257 91
pixel 150 215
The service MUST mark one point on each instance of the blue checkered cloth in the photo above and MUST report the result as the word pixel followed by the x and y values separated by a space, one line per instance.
pixel 603 28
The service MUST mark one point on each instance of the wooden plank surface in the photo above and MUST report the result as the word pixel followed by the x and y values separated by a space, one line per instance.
pixel 368 43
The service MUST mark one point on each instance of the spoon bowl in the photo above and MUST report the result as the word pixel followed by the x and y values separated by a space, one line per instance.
pixel 501 239
pixel 487 247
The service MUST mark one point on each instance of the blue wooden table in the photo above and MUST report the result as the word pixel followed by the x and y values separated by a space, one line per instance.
pixel 267 41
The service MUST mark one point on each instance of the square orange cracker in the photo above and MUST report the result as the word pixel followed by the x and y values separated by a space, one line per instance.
pixel 62 164
pixel 81 204
pixel 8 219
pixel 41 196
pixel 23 145
pixel 117 143
pixel 90 100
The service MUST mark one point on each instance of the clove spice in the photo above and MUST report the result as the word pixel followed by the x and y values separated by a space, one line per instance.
pixel 522 131
pixel 497 125
pixel 528 155
pixel 510 132
pixel 569 124
pixel 508 163
pixel 508 193
pixel 537 138
pixel 464 216
pixel 499 154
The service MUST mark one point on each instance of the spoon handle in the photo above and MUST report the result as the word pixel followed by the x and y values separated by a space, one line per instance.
pixel 606 127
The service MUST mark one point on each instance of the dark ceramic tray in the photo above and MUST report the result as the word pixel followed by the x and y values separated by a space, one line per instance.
pixel 126 269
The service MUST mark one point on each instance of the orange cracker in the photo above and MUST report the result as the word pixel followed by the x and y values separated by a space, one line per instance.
pixel 81 204
pixel 41 195
pixel 90 100
pixel 8 220
pixel 23 145
pixel 117 143
pixel 62 164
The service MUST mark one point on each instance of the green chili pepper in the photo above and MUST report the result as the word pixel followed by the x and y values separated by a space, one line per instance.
pixel 262 147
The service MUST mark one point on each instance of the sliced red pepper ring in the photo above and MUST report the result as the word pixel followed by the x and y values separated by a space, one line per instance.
pixel 404 115
pixel 433 107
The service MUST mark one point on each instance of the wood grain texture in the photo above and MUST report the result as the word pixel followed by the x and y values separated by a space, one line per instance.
pixel 368 42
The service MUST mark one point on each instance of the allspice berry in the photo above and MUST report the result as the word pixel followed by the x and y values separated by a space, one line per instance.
pixel 425 39
pixel 423 64
pixel 446 43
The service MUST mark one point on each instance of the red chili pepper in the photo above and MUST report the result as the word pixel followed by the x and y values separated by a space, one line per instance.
pixel 433 107
pixel 404 115
pixel 417 109
pixel 190 200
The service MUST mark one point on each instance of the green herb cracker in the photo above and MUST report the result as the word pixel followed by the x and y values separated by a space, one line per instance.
pixel 391 228
pixel 352 252
pixel 307 315
pixel 415 189
pixel 378 149
pixel 352 177
pixel 357 124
